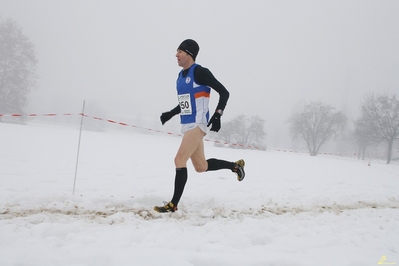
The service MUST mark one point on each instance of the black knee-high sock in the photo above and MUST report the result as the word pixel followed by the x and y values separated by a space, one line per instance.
pixel 216 164
pixel 180 182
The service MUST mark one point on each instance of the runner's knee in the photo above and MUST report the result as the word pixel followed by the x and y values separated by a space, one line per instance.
pixel 180 162
pixel 202 167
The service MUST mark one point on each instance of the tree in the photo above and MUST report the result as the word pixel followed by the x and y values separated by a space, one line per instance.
pixel 243 131
pixel 316 124
pixel 381 112
pixel 364 135
pixel 17 67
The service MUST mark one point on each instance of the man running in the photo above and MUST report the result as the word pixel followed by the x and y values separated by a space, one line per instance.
pixel 193 90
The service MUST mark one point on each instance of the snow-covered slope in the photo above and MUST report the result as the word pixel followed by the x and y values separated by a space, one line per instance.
pixel 291 209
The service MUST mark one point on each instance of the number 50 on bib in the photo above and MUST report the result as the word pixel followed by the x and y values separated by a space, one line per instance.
pixel 185 104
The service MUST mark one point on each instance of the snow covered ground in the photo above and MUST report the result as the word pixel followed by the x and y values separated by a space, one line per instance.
pixel 291 209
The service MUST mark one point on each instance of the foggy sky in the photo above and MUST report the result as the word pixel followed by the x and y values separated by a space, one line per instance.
pixel 273 56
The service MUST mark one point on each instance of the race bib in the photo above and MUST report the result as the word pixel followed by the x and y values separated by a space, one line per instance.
pixel 185 104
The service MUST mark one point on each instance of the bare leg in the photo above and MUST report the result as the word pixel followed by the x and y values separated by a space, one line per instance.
pixel 191 145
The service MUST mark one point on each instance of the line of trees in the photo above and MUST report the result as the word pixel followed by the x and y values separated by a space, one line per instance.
pixel 317 123
pixel 378 123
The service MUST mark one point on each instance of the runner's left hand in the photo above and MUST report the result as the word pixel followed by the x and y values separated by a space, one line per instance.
pixel 215 121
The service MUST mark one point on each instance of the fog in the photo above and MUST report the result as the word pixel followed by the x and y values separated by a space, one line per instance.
pixel 273 56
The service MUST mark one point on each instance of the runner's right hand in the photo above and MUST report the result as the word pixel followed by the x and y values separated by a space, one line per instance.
pixel 166 117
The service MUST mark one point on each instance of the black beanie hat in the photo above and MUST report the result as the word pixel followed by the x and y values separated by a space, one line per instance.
pixel 189 46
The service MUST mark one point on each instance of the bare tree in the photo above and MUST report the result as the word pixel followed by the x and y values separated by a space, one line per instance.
pixel 225 134
pixel 251 133
pixel 243 131
pixel 17 67
pixel 381 112
pixel 364 135
pixel 316 124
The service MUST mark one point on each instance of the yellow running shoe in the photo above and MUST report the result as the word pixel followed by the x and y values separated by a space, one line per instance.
pixel 169 207
pixel 239 169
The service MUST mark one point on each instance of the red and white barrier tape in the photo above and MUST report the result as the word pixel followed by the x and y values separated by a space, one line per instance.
pixel 30 115
pixel 217 142
pixel 328 153
pixel 125 124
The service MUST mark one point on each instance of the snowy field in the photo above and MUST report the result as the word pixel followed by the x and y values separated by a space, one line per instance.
pixel 291 209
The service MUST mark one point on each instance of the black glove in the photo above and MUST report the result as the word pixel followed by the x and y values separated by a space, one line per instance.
pixel 215 121
pixel 166 116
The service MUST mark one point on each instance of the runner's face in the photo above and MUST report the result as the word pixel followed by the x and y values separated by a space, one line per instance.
pixel 184 60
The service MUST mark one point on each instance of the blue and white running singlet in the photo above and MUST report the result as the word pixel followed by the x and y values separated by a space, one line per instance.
pixel 193 98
